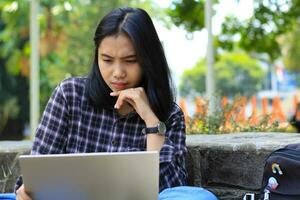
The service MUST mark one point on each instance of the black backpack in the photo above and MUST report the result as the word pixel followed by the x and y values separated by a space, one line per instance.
pixel 281 177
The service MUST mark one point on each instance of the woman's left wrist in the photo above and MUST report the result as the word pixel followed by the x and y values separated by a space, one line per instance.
pixel 151 121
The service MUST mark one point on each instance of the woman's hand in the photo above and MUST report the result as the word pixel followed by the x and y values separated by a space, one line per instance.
pixel 138 99
pixel 21 194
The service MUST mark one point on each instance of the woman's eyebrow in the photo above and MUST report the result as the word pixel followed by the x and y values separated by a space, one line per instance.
pixel 106 55
pixel 129 56
pixel 124 57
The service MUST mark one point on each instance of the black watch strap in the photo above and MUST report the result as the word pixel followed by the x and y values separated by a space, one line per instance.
pixel 160 129
pixel 150 130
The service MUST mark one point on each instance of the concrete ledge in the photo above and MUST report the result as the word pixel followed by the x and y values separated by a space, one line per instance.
pixel 232 164
pixel 229 165
pixel 243 141
pixel 9 165
pixel 15 146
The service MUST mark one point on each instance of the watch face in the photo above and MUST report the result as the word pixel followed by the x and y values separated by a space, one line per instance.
pixel 161 127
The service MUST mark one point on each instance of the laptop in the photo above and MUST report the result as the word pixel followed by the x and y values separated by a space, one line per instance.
pixel 92 176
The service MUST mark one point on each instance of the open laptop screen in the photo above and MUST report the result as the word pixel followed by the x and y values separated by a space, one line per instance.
pixel 90 176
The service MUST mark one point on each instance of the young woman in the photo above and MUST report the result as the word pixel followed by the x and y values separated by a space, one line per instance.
pixel 125 104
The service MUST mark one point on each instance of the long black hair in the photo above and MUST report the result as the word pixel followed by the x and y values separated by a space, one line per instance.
pixel 156 81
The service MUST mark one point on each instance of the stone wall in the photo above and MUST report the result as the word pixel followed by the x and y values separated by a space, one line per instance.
pixel 9 165
pixel 231 165
pixel 228 165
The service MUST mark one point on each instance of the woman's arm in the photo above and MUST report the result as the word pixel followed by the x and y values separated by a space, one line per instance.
pixel 172 155
pixel 51 133
pixel 172 146
pixel 138 99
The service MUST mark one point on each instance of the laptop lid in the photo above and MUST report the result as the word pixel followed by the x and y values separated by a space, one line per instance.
pixel 91 176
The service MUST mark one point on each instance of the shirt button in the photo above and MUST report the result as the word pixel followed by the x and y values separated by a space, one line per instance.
pixel 114 142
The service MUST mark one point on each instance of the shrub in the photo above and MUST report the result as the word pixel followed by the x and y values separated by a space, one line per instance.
pixel 230 118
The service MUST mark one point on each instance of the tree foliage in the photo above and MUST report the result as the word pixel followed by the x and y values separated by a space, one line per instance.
pixel 259 35
pixel 192 81
pixel 187 13
pixel 271 19
pixel 291 49
pixel 66 44
pixel 235 73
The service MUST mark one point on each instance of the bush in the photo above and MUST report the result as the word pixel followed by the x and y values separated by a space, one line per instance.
pixel 230 118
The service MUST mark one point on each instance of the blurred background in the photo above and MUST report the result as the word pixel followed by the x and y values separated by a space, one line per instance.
pixel 256 47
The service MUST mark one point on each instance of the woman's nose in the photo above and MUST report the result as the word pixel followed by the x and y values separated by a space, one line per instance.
pixel 119 72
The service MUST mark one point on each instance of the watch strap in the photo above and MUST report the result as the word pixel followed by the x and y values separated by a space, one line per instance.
pixel 160 128
pixel 150 130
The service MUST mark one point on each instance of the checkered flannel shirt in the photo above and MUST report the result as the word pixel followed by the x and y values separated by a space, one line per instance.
pixel 70 124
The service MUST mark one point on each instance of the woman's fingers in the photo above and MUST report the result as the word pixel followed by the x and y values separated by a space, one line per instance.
pixel 138 99
pixel 21 194
pixel 115 93
pixel 131 96
pixel 119 101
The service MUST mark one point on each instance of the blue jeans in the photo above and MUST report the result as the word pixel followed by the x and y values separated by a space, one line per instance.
pixel 176 193
pixel 186 193
pixel 7 196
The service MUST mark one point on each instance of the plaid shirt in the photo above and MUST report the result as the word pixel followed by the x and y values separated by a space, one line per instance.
pixel 70 124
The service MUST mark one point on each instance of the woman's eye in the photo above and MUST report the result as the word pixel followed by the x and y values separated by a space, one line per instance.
pixel 131 61
pixel 108 61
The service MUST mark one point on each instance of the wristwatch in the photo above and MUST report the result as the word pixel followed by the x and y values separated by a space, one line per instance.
pixel 159 129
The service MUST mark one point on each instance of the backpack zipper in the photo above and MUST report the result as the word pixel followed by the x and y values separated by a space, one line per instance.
pixel 266 195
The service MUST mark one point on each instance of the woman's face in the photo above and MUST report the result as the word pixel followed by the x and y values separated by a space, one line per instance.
pixel 118 63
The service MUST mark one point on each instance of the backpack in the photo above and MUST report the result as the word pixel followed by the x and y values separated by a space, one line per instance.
pixel 281 177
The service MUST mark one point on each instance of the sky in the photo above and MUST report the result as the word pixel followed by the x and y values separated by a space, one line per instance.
pixel 182 53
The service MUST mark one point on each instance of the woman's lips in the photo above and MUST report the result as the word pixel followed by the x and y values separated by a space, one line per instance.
pixel 119 86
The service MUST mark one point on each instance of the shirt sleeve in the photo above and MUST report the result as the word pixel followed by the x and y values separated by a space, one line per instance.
pixel 172 154
pixel 18 183
pixel 174 145
pixel 51 133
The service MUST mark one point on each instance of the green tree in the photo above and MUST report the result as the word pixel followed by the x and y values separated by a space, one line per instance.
pixel 235 73
pixel 291 49
pixel 66 30
pixel 258 35
pixel 192 81
pixel 261 33
pixel 188 13
pixel 66 44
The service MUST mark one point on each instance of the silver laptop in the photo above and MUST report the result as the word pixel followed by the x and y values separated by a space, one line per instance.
pixel 92 176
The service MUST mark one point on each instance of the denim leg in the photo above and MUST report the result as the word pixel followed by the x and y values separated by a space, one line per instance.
pixel 186 193
pixel 7 196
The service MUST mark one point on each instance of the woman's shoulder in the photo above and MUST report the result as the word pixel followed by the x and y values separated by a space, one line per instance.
pixel 73 84
pixel 73 87
pixel 176 111
pixel 176 117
